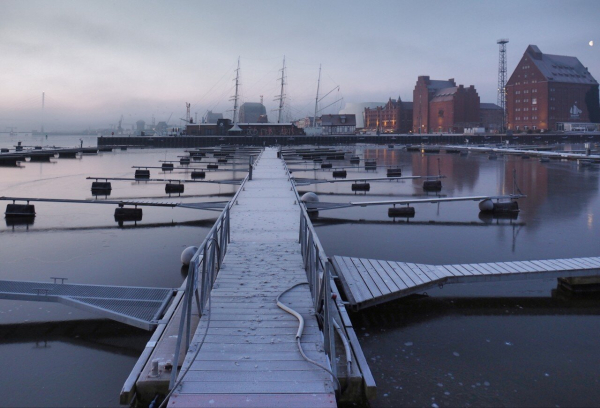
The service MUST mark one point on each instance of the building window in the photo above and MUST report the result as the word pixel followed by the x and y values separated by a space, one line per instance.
pixel 517 92
pixel 518 118
pixel 526 118
pixel 534 91
pixel 526 91
pixel 552 108
pixel 551 89
pixel 534 101
pixel 534 108
pixel 518 109
pixel 552 98
pixel 518 101
pixel 526 109
pixel 441 113
pixel 525 100
pixel 525 82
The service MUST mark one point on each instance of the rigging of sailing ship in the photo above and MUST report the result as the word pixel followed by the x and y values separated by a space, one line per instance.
pixel 314 129
pixel 235 100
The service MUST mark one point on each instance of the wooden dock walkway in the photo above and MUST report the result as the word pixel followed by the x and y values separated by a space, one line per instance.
pixel 368 282
pixel 250 356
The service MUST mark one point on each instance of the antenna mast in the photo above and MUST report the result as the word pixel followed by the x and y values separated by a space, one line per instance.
pixel 187 111
pixel 502 81
pixel 317 98
pixel 236 97
pixel 281 96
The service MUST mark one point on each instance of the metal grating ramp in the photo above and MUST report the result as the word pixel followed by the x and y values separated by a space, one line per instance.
pixel 136 306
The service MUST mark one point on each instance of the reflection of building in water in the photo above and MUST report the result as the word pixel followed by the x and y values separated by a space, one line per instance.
pixel 462 175
pixel 546 90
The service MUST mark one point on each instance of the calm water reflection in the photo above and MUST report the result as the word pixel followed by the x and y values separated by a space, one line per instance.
pixel 86 366
pixel 485 344
pixel 479 344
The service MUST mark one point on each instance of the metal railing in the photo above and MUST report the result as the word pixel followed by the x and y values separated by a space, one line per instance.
pixel 319 275
pixel 202 273
pixel 327 300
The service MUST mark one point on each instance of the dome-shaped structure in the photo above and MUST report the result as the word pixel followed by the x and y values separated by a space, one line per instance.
pixel 250 112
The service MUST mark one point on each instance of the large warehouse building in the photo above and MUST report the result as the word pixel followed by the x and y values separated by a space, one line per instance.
pixel 442 106
pixel 546 92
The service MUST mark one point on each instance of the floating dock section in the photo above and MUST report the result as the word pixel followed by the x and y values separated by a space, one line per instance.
pixel 368 282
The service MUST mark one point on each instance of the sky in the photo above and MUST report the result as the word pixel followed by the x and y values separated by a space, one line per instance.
pixel 98 60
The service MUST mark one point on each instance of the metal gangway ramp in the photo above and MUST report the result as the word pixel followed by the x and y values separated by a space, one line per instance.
pixel 244 352
pixel 136 306
pixel 368 282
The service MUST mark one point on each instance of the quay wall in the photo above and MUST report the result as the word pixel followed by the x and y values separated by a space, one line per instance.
pixel 204 141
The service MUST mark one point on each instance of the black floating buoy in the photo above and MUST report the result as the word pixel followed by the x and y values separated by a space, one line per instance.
pixel 222 161
pixel 326 165
pixel 354 159
pixel 4 150
pixel 128 214
pixel 184 160
pixel 198 174
pixel 167 166
pixel 432 185
pixel 339 174
pixel 503 207
pixel 318 160
pixel 370 165
pixel 408 212
pixel 19 210
pixel 142 174
pixel 196 158
pixel 171 188
pixel 361 187
pixel 394 172
pixel 123 147
pixel 391 146
pixel 212 166
pixel 101 186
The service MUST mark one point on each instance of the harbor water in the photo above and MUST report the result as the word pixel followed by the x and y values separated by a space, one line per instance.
pixel 518 343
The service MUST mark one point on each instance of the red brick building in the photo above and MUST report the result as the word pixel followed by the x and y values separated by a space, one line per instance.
pixel 545 90
pixel 441 106
pixel 394 117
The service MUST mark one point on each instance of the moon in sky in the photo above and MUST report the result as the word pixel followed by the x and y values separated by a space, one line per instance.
pixel 591 43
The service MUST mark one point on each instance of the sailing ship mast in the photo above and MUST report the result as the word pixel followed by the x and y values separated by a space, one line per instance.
pixel 236 96
pixel 317 99
pixel 281 96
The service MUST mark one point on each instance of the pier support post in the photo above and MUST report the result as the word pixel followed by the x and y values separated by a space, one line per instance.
pixel 251 162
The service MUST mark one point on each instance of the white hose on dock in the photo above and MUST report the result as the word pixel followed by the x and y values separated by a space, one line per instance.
pixel 301 329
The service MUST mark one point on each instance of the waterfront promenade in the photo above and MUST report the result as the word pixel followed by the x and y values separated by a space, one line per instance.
pixel 249 356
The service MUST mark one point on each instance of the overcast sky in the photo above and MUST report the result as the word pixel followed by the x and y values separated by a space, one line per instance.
pixel 98 60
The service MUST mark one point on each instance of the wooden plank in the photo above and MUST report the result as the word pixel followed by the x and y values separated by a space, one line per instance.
pixel 498 268
pixel 369 282
pixel 392 274
pixel 422 276
pixel 408 272
pixel 532 267
pixel 454 271
pixel 260 338
pixel 595 261
pixel 383 274
pixel 515 266
pixel 354 280
pixel 429 273
pixel 381 285
pixel 474 270
pixel 541 266
pixel 485 269
pixel 550 265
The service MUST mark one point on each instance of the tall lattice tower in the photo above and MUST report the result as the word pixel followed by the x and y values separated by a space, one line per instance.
pixel 502 81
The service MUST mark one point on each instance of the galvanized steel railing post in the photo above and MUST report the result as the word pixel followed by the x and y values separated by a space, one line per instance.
pixel 250 159
pixel 328 324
